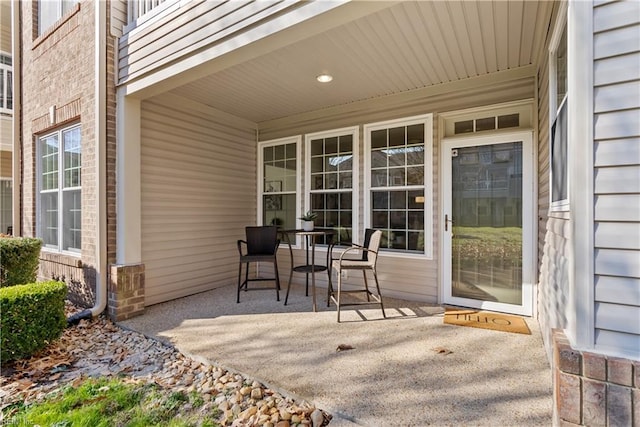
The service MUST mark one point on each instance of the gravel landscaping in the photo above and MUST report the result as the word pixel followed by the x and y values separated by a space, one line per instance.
pixel 99 348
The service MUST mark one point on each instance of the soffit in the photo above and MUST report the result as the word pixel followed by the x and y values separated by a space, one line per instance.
pixel 408 46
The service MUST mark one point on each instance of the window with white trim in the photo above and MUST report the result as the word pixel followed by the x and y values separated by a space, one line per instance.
pixel 6 84
pixel 331 176
pixel 49 11
pixel 279 169
pixel 59 187
pixel 399 184
pixel 558 105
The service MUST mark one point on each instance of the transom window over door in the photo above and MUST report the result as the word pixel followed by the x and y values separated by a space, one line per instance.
pixel 331 179
pixel 60 173
pixel 279 189
pixel 398 172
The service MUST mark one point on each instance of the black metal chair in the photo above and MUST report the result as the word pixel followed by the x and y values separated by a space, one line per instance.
pixel 261 246
pixel 366 263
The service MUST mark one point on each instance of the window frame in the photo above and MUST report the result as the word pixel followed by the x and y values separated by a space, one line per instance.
pixel 7 86
pixel 354 131
pixel 60 12
pixel 557 108
pixel 297 139
pixel 427 186
pixel 59 191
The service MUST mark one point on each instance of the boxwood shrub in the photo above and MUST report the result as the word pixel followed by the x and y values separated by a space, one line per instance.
pixel 31 316
pixel 18 260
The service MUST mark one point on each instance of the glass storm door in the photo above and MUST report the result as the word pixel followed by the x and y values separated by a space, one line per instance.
pixel 488 224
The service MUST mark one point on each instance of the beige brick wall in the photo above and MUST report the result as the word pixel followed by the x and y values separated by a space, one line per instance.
pixel 593 389
pixel 58 73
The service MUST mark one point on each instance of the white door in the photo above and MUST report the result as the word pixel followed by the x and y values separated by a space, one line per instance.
pixel 488 222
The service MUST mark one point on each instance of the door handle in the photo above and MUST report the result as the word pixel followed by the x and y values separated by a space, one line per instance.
pixel 447 221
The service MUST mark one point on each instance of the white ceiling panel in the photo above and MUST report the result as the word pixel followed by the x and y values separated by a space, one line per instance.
pixel 408 46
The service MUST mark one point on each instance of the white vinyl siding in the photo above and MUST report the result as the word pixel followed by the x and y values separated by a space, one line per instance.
pixel 198 186
pixel 184 28
pixel 616 183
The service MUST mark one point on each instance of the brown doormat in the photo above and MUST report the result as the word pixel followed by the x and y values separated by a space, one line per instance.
pixel 486 320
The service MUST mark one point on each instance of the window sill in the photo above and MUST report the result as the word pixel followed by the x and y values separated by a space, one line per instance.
pixel 52 29
pixel 60 258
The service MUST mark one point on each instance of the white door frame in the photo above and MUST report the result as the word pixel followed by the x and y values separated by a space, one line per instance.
pixel 528 220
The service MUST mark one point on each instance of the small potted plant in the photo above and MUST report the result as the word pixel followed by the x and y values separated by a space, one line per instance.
pixel 307 220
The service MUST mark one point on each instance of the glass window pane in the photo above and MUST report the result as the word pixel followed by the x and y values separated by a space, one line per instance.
pixel 72 157
pixel 379 178
pixel 416 241
pixel 378 159
pixel 331 163
pixel 398 239
pixel 397 199
pixel 49 219
pixel 465 126
pixel 317 182
pixel 317 164
pixel 396 157
pixel 2 105
pixel 346 144
pixel 279 152
pixel 331 145
pixel 396 136
pixel 561 68
pixel 379 138
pixel 415 155
pixel 380 219
pixel 398 219
pixel 345 201
pixel 280 209
pixel 9 90
pixel 267 153
pixel 331 181
pixel 415 175
pixel 48 14
pixel 415 134
pixel 380 200
pixel 317 147
pixel 317 201
pixel 72 220
pixel 488 123
pixel 290 151
pixel 345 180
pixel 397 177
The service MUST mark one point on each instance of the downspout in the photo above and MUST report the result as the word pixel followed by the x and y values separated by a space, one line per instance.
pixel 16 173
pixel 100 51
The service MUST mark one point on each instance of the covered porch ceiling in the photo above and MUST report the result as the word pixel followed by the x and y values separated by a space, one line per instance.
pixel 409 45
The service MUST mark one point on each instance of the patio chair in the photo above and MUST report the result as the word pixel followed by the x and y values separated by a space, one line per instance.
pixel 366 263
pixel 261 246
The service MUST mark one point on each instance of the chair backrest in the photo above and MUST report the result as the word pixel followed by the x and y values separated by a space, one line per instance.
pixel 367 239
pixel 262 240
pixel 373 245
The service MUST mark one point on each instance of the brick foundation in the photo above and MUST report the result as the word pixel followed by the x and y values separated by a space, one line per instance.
pixel 126 291
pixel 594 389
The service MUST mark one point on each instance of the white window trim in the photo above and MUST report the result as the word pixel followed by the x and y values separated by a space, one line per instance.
pixel 59 191
pixel 559 26
pixel 6 68
pixel 355 197
pixel 260 178
pixel 427 120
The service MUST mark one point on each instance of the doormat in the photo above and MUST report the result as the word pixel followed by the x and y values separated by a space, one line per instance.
pixel 486 320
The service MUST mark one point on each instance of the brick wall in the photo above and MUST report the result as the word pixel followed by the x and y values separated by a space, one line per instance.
pixel 57 72
pixel 593 389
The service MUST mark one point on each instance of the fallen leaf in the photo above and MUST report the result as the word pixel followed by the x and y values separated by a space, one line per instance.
pixel 442 350
pixel 344 347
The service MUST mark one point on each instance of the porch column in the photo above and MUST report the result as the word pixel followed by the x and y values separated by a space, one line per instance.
pixel 127 276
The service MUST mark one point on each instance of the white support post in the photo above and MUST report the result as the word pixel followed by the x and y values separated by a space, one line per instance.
pixel 128 203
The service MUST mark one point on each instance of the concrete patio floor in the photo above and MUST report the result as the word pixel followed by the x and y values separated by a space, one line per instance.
pixel 393 376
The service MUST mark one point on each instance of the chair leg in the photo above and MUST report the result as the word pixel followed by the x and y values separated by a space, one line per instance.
pixel 246 278
pixel 366 285
pixel 239 279
pixel 375 276
pixel 339 288
pixel 275 267
pixel 329 285
pixel 288 286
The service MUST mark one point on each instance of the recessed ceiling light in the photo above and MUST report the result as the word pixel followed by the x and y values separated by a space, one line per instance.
pixel 324 78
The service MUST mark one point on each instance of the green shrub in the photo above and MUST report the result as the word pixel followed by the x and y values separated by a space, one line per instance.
pixel 31 316
pixel 18 260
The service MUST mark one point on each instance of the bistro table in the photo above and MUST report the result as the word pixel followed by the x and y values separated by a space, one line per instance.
pixel 310 266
